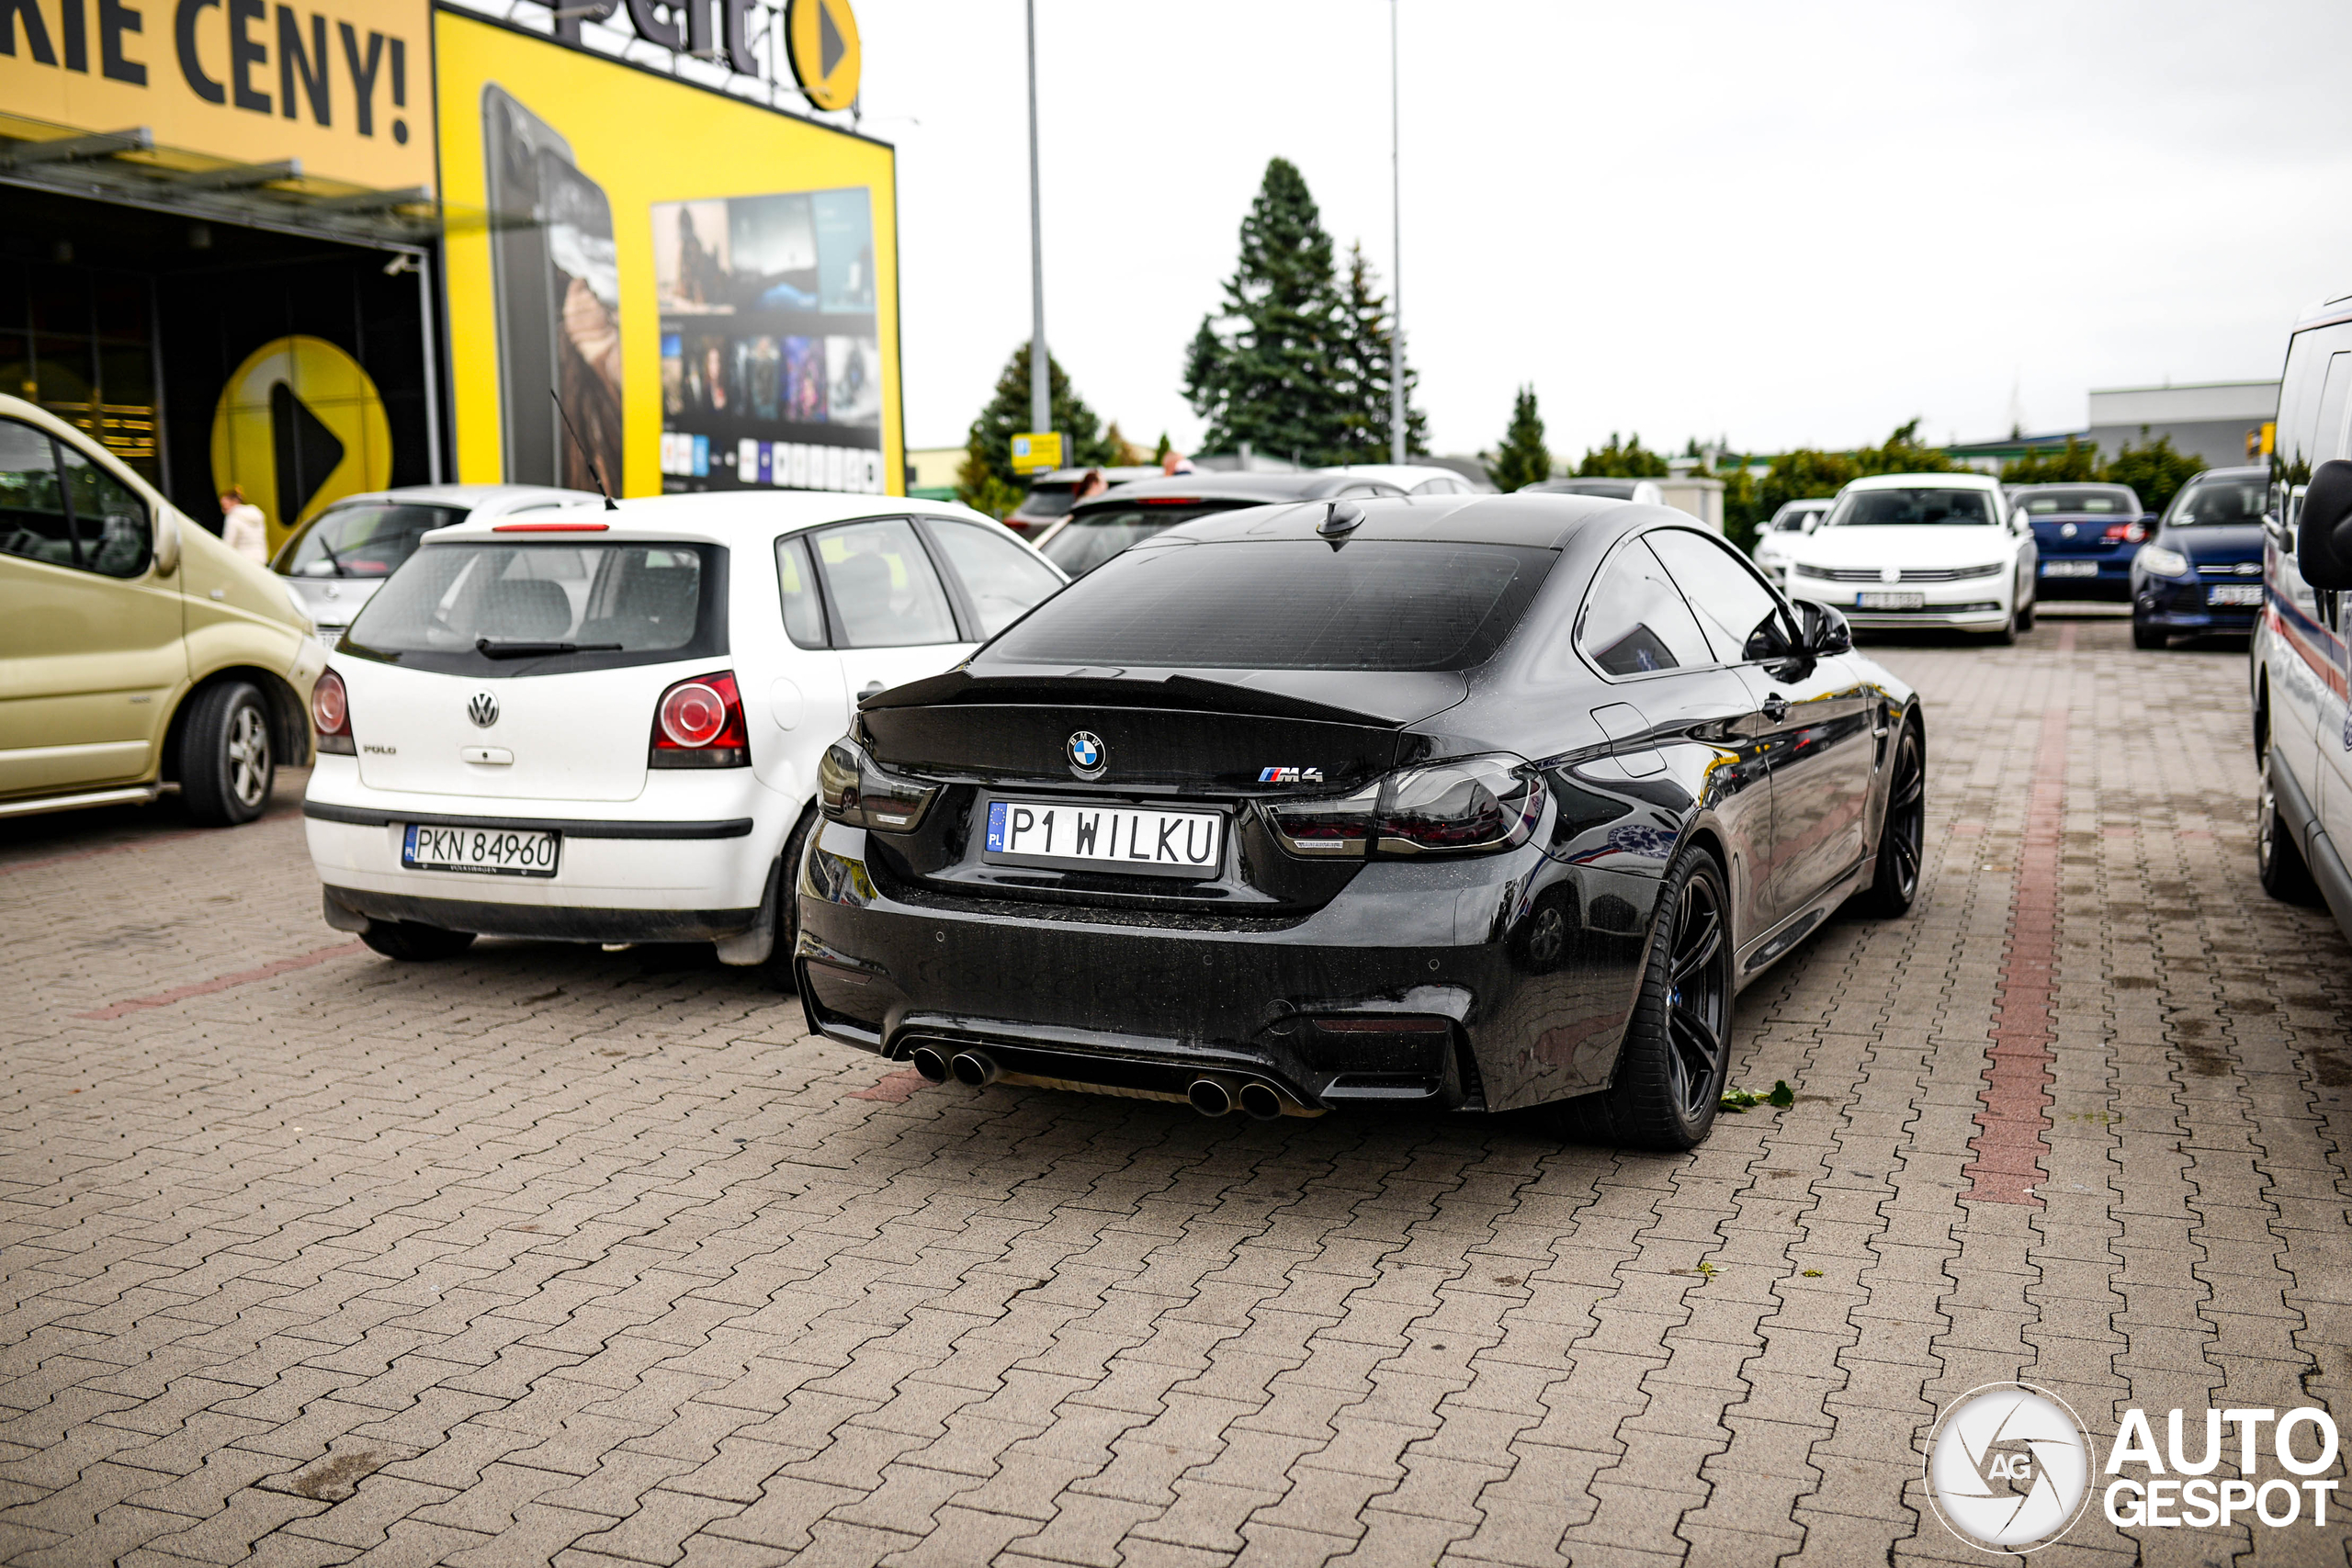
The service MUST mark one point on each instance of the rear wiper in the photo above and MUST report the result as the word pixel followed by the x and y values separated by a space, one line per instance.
pixel 490 649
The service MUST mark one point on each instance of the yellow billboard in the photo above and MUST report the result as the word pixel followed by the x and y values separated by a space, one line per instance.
pixel 670 289
pixel 340 85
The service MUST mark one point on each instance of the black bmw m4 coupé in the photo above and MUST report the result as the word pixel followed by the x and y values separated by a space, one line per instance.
pixel 1479 802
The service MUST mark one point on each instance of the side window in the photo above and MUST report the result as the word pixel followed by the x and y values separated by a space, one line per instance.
pixel 1004 579
pixel 1635 622
pixel 1739 613
pixel 883 586
pixel 32 506
pixel 804 616
pixel 109 522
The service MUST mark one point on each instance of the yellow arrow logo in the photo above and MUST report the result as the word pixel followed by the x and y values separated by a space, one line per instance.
pixel 300 426
pixel 821 37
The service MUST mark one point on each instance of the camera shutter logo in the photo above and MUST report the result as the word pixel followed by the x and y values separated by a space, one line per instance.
pixel 2008 1467
pixel 1089 757
pixel 483 708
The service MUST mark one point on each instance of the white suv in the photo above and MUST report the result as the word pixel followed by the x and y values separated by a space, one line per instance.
pixel 605 726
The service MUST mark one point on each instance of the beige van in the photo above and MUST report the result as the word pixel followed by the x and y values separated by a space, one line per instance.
pixel 137 651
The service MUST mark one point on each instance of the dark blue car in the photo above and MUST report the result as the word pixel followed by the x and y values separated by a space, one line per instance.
pixel 2202 572
pixel 2087 535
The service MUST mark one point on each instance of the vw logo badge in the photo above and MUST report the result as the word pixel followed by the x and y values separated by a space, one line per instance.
pixel 2067 532
pixel 1890 574
pixel 1088 756
pixel 483 708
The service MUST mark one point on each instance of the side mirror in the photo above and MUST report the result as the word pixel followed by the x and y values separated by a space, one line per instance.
pixel 2323 545
pixel 1826 634
pixel 168 544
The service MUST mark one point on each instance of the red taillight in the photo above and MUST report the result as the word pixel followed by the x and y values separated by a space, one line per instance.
pixel 699 724
pixel 2126 533
pixel 330 712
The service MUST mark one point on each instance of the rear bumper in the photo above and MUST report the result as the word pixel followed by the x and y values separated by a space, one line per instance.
pixel 2112 585
pixel 539 921
pixel 1146 1007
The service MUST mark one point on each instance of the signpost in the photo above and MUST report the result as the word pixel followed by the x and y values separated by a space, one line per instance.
pixel 1034 452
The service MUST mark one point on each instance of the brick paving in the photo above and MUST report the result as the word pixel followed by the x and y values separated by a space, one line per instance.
pixel 552 1255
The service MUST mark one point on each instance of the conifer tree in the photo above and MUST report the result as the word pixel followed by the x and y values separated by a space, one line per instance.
pixel 1262 366
pixel 986 479
pixel 1522 459
pixel 1367 352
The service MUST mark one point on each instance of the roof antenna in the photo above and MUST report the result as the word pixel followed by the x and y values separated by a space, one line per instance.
pixel 1340 518
pixel 594 472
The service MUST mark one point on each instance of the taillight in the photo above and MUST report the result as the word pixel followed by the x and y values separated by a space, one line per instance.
pixel 699 724
pixel 2126 533
pixel 852 790
pixel 1473 806
pixel 331 713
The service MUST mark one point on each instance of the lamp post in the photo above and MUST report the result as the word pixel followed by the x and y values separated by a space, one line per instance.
pixel 1396 274
pixel 1041 396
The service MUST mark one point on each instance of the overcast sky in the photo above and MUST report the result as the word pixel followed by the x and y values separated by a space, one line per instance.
pixel 1788 224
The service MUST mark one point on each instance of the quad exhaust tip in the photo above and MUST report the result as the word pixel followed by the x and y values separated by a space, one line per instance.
pixel 972 1068
pixel 930 1064
pixel 1209 1097
pixel 1261 1100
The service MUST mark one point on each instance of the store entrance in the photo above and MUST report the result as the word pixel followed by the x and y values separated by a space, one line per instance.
pixel 207 354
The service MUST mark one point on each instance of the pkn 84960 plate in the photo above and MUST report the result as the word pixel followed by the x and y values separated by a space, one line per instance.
pixel 485 851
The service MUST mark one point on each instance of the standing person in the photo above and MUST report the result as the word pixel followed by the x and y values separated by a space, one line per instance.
pixel 1175 463
pixel 243 527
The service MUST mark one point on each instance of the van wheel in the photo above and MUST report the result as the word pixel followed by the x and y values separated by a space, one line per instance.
pixel 227 765
pixel 2285 875
pixel 413 944
pixel 1678 1042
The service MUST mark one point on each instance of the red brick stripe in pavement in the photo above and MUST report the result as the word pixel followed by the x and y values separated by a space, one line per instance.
pixel 223 983
pixel 892 1090
pixel 2015 1096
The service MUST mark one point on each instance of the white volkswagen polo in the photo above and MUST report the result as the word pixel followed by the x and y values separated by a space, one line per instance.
pixel 1899 551
pixel 605 725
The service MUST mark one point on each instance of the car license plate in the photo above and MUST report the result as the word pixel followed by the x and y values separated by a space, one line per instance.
pixel 2235 593
pixel 1874 600
pixel 2070 569
pixel 330 635
pixel 487 851
pixel 1178 843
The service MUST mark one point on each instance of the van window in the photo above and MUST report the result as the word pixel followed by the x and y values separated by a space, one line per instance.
pixel 32 507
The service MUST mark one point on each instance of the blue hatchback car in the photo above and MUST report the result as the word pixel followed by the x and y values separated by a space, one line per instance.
pixel 2202 572
pixel 2087 535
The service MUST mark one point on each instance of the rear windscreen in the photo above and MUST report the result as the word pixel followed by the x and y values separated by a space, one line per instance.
pixel 2094 503
pixel 1287 604
pixel 366 538
pixel 533 609
pixel 1088 539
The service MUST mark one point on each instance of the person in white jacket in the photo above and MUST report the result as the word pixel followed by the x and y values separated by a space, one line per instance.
pixel 243 527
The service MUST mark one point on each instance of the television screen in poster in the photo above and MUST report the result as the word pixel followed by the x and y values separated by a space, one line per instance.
pixel 771 357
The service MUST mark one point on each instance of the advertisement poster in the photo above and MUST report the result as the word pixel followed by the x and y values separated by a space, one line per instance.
pixel 719 322
pixel 770 361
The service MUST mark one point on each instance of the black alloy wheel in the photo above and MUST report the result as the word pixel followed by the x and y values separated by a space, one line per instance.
pixel 1902 842
pixel 1677 1047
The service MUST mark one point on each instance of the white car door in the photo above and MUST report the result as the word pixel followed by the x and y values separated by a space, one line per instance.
pixel 891 617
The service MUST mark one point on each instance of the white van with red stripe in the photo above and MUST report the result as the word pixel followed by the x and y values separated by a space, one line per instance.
pixel 605 726
pixel 2302 725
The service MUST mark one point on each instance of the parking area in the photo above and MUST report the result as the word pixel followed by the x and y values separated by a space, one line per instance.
pixel 550 1253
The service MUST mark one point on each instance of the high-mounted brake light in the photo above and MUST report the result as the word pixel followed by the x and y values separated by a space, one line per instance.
pixel 548 527
pixel 331 713
pixel 1168 501
pixel 699 723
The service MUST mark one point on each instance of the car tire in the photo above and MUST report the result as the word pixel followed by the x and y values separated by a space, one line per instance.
pixel 410 942
pixel 1902 837
pixel 2285 875
pixel 2025 616
pixel 778 971
pixel 1677 1047
pixel 2146 637
pixel 2008 635
pixel 227 762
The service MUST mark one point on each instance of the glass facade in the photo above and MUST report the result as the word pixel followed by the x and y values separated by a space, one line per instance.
pixel 80 341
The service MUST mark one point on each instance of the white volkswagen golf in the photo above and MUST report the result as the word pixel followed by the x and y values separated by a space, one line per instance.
pixel 1899 551
pixel 605 725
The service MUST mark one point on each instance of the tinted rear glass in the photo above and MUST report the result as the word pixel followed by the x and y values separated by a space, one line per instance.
pixel 534 609
pixel 363 540
pixel 1287 604
pixel 2094 503
pixel 1088 539
pixel 1046 502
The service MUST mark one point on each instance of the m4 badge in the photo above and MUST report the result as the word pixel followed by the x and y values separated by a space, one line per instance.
pixel 1290 776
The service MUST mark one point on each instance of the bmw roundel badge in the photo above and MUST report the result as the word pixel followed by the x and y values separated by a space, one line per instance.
pixel 482 709
pixel 1088 756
